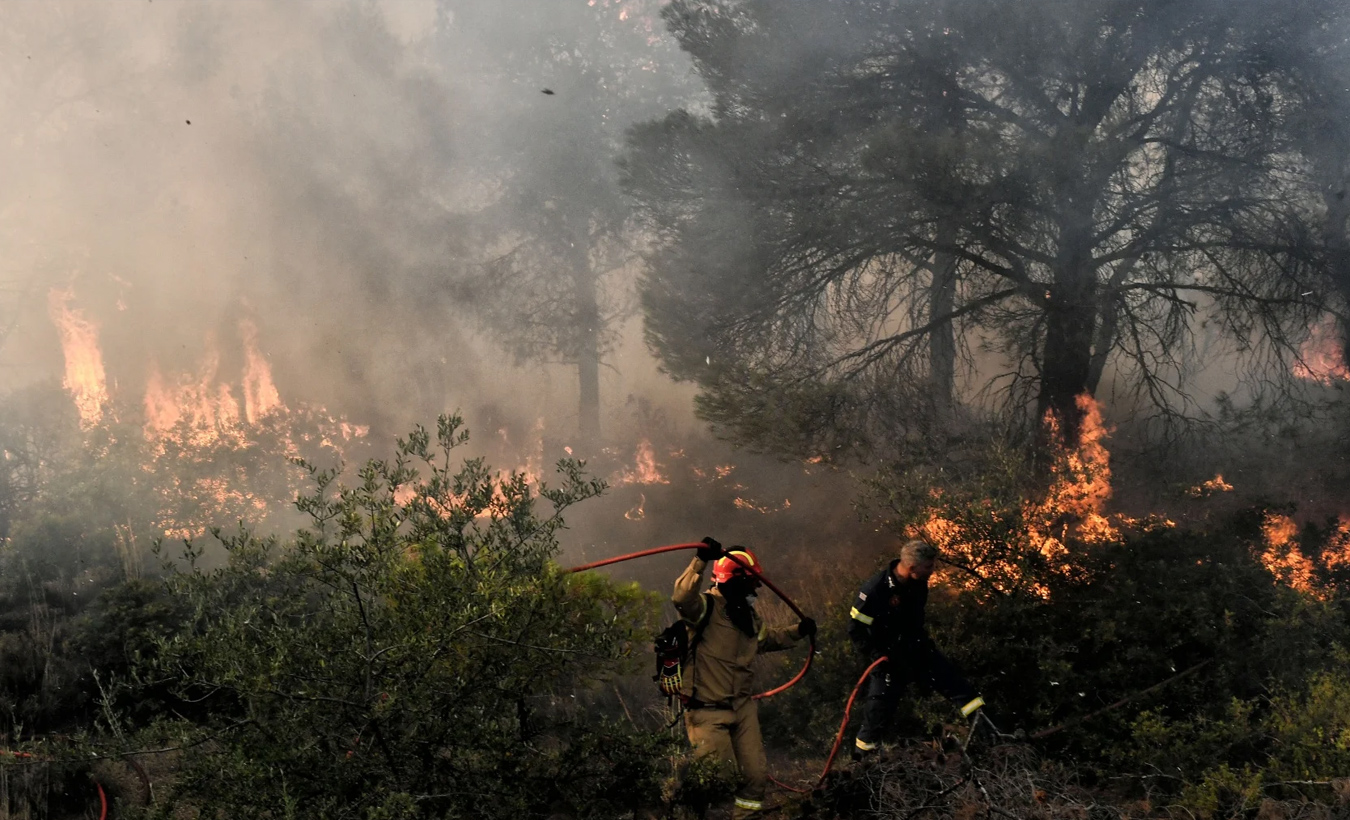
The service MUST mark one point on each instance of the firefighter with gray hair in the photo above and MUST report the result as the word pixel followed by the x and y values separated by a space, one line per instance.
pixel 888 620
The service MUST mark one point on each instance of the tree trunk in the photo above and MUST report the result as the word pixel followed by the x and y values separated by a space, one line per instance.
pixel 587 341
pixel 1336 197
pixel 1112 305
pixel 942 342
pixel 1070 322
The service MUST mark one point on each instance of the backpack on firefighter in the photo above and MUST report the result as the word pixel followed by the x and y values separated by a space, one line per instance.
pixel 675 650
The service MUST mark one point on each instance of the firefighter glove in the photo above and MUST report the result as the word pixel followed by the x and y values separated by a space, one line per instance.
pixel 807 628
pixel 711 550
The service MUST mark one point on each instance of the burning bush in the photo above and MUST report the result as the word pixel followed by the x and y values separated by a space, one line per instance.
pixel 411 653
pixel 1195 661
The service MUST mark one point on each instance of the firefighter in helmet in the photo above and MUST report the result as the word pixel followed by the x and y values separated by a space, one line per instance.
pixel 720 715
pixel 888 619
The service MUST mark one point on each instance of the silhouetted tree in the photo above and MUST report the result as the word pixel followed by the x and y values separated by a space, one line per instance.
pixel 1318 76
pixel 555 228
pixel 1057 190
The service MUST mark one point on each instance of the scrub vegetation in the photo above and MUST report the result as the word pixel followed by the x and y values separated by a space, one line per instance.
pixel 1024 278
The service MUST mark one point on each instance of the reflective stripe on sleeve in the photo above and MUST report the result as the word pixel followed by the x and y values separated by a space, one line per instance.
pixel 864 745
pixel 752 805
pixel 858 616
pixel 763 632
pixel 972 706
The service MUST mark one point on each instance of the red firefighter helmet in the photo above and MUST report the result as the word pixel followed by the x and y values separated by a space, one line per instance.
pixel 726 567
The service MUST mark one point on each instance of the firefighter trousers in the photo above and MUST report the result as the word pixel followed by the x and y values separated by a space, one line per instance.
pixel 888 683
pixel 732 736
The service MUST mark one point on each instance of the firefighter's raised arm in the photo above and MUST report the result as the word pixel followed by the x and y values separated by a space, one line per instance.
pixel 779 638
pixel 686 598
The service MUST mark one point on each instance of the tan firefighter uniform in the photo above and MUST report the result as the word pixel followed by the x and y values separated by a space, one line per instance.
pixel 721 718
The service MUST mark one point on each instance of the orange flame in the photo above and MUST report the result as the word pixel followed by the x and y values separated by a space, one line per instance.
pixel 85 377
pixel 1336 553
pixel 762 509
pixel 1079 490
pixel 209 406
pixel 260 393
pixel 1071 512
pixel 1208 488
pixel 1321 357
pixel 645 469
pixel 188 415
pixel 1282 555
pixel 161 408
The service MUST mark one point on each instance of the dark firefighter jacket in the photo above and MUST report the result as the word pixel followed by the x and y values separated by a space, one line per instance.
pixel 721 659
pixel 887 616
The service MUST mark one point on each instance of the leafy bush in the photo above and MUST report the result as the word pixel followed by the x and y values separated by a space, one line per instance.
pixel 413 652
pixel 52 571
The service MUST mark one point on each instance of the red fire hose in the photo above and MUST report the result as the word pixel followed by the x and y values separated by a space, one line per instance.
pixel 838 737
pixel 848 709
pixel 770 584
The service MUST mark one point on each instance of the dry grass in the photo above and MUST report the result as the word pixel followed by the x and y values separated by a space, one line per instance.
pixel 1010 782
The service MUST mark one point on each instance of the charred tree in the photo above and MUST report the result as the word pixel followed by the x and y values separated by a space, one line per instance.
pixel 587 326
pixel 1319 87
pixel 942 345
pixel 1093 178
pixel 1336 238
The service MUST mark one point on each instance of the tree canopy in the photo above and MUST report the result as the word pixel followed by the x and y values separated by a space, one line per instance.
pixel 1044 197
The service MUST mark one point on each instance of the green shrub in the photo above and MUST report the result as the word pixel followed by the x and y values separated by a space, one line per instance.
pixel 53 570
pixel 412 653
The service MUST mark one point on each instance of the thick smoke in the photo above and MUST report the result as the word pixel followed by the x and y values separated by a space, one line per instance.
pixel 336 176
pixel 317 168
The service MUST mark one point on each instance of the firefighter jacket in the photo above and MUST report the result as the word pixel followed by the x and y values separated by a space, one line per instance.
pixel 887 617
pixel 720 667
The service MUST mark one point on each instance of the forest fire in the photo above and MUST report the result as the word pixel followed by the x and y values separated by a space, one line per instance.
pixel 206 405
pixel 1320 359
pixel 1070 512
pixel 216 445
pixel 1282 555
pixel 606 277
pixel 202 401
pixel 645 469
pixel 84 377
